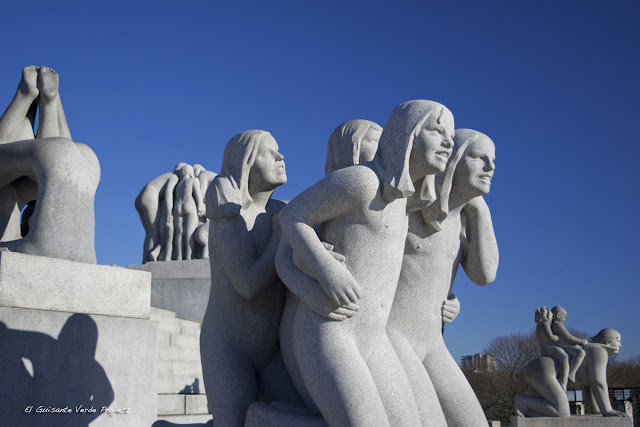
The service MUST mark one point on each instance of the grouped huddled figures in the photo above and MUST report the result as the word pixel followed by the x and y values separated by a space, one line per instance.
pixel 171 209
pixel 47 170
pixel 345 342
pixel 345 366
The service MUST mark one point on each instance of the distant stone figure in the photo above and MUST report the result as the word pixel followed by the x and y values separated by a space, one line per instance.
pixel 455 230
pixel 155 207
pixel 239 336
pixel 549 344
pixel 541 374
pixel 201 235
pixel 353 375
pixel 188 206
pixel 570 344
pixel 60 174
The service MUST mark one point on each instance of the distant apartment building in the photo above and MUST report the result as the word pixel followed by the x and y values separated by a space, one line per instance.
pixel 478 363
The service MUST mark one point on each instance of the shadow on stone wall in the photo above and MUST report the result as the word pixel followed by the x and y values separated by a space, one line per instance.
pixel 49 382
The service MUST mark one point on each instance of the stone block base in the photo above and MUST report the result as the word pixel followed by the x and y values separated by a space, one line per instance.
pixel 180 286
pixel 42 283
pixel 573 421
pixel 57 368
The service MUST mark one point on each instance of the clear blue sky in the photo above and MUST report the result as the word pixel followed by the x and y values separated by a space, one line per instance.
pixel 555 84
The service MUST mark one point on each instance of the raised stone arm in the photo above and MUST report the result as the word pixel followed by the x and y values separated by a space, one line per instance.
pixel 481 256
pixel 229 238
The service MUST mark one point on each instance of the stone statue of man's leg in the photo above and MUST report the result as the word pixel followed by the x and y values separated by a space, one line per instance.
pixel 67 174
pixel 16 123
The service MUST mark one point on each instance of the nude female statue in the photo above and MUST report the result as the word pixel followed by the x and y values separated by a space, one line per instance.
pixel 240 327
pixel 541 374
pixel 188 206
pixel 429 265
pixel 357 378
pixel 60 174
pixel 155 207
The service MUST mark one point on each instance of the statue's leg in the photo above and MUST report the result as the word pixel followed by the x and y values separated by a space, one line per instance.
pixel 530 406
pixel 177 237
pixel 147 207
pixel 63 127
pixel 340 382
pixel 398 394
pixel 541 375
pixel 191 222
pixel 166 231
pixel 563 363
pixel 9 214
pixel 452 387
pixel 67 175
pixel 48 86
pixel 230 382
pixel 14 123
pixel 577 356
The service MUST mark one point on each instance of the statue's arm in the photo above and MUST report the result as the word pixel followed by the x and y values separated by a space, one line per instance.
pixel 307 289
pixel 338 194
pixel 480 261
pixel 566 336
pixel 598 376
pixel 248 271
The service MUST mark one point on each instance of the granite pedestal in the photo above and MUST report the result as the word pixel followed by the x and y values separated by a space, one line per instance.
pixel 77 344
pixel 180 286
pixel 573 421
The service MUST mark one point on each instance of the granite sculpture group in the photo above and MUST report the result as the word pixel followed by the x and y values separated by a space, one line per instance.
pixel 331 307
pixel 566 357
pixel 171 208
pixel 328 309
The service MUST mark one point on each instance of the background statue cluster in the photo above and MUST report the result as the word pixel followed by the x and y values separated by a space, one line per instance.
pixel 47 167
pixel 566 357
pixel 331 308
pixel 171 209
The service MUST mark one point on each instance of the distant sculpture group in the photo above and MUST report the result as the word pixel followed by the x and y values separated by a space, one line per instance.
pixel 565 357
pixel 54 175
pixel 171 208
pixel 367 257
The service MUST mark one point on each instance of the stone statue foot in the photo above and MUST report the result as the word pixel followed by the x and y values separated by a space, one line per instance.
pixel 48 81
pixel 154 253
pixel 28 85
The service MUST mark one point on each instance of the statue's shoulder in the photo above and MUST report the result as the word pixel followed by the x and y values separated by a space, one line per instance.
pixel 358 181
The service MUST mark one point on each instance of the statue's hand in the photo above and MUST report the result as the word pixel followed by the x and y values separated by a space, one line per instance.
pixel 339 285
pixel 329 311
pixel 450 309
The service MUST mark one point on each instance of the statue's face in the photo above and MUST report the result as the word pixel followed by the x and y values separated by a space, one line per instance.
pixel 615 345
pixel 432 147
pixel 369 145
pixel 268 171
pixel 560 316
pixel 476 167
